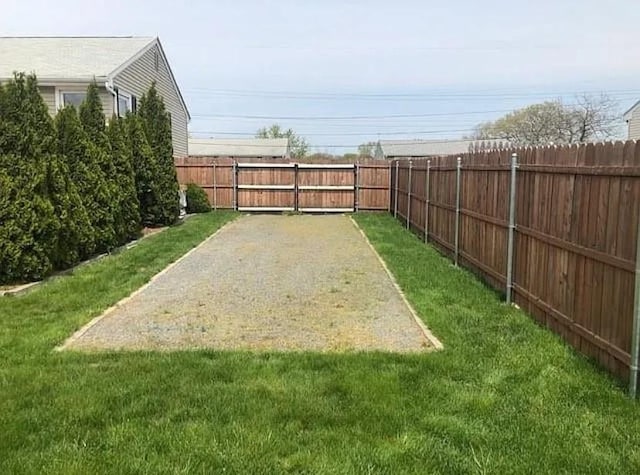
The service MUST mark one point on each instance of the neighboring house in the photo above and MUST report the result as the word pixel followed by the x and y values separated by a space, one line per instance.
pixel 392 149
pixel 239 148
pixel 632 118
pixel 123 68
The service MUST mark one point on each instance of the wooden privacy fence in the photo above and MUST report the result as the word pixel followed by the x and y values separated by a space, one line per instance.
pixel 555 228
pixel 283 185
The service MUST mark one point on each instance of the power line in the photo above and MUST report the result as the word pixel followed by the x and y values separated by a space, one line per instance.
pixel 336 134
pixel 354 117
pixel 412 96
pixel 402 142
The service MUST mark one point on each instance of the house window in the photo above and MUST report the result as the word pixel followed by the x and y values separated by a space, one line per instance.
pixel 72 98
pixel 124 104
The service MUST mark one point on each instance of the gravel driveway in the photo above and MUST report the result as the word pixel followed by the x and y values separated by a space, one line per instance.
pixel 266 282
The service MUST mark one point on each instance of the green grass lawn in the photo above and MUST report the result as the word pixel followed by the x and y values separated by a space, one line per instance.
pixel 504 396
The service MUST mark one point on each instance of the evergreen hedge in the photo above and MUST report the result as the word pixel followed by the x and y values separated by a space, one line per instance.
pixel 72 187
pixel 156 123
pixel 127 213
pixel 43 221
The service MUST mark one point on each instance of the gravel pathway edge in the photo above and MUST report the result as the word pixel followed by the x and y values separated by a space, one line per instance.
pixel 437 344
pixel 78 334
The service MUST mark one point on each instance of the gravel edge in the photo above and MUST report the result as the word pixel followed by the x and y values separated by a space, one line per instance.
pixel 437 344
pixel 78 334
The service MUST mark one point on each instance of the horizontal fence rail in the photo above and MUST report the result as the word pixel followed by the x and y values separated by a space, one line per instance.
pixel 554 228
pixel 282 185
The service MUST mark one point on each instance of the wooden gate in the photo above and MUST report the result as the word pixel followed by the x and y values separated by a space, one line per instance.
pixel 305 187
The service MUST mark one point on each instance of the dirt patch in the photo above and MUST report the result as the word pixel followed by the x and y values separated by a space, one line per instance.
pixel 267 283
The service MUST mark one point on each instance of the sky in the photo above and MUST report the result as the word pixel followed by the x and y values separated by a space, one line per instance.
pixel 341 73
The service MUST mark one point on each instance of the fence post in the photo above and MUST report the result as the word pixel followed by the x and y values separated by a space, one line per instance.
pixel 457 229
pixel 390 185
pixel 395 204
pixel 296 188
pixel 426 202
pixel 635 335
pixel 356 189
pixel 215 198
pixel 409 196
pixel 512 226
pixel 235 185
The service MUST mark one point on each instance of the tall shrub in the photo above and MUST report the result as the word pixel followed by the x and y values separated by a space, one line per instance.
pixel 29 227
pixel 41 215
pixel 157 127
pixel 145 170
pixel 127 216
pixel 82 160
pixel 99 154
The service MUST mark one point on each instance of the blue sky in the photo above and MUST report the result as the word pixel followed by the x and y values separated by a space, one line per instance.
pixel 453 63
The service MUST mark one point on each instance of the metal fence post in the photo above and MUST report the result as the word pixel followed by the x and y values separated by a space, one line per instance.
pixel 457 229
pixel 426 202
pixel 234 205
pixel 395 204
pixel 409 196
pixel 635 335
pixel 512 226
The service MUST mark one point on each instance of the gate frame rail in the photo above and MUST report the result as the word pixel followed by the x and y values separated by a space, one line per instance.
pixel 295 187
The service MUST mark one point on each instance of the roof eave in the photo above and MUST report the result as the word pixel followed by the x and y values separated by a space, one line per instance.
pixel 54 81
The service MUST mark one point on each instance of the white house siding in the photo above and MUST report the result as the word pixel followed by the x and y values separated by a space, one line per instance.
pixel 634 125
pixel 137 78
pixel 48 93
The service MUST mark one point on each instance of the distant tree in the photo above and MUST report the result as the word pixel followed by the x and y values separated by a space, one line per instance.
pixel 156 122
pixel 594 117
pixel 298 145
pixel 367 149
pixel 590 118
pixel 321 156
pixel 351 156
pixel 127 215
pixel 83 159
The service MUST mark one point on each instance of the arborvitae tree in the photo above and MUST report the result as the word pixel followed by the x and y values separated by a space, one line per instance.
pixel 92 116
pixel 81 157
pixel 157 127
pixel 127 217
pixel 44 224
pixel 94 125
pixel 75 235
pixel 145 170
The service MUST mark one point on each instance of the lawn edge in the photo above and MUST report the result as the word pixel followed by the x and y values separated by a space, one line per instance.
pixel 437 344
pixel 24 288
pixel 79 333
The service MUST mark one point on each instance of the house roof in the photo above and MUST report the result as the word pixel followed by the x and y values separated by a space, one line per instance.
pixel 627 115
pixel 231 147
pixel 425 148
pixel 68 57
pixel 84 58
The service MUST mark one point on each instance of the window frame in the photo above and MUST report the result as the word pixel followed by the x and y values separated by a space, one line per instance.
pixel 127 97
pixel 61 91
